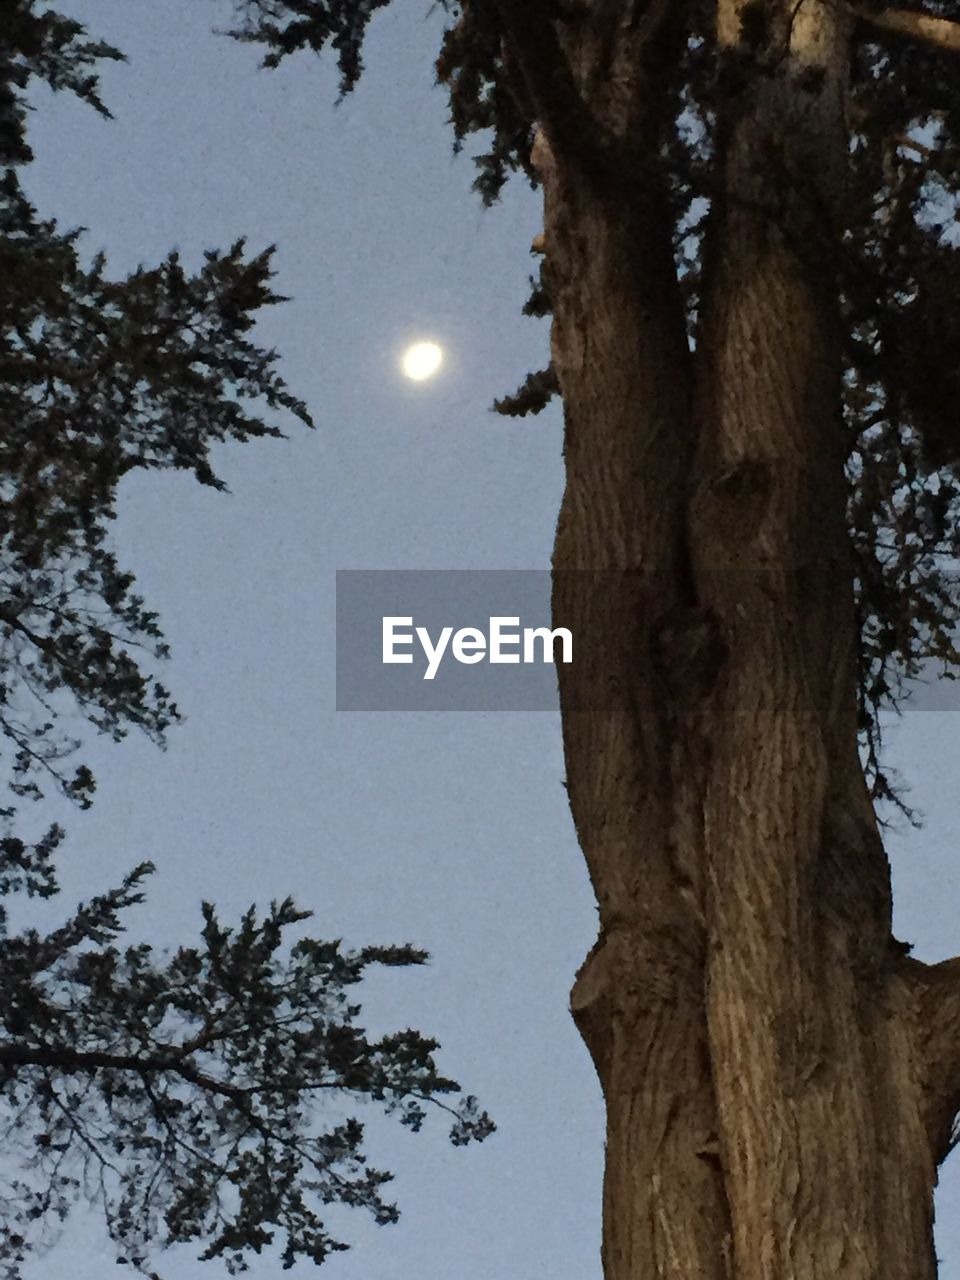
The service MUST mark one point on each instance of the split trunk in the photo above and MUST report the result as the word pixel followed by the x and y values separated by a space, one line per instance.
pixel 779 1078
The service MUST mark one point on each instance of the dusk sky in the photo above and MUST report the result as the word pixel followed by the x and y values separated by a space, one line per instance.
pixel 448 830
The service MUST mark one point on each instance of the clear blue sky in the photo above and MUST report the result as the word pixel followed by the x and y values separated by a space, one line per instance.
pixel 447 830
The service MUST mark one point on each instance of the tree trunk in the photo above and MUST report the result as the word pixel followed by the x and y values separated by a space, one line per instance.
pixel 779 1079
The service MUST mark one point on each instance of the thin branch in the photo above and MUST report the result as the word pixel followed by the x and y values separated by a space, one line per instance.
pixel 210 1032
pixel 176 1138
pixel 77 1129
pixel 43 643
pixel 942 33
pixel 911 144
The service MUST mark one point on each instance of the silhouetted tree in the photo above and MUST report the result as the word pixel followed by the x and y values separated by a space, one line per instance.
pixel 197 1096
pixel 751 258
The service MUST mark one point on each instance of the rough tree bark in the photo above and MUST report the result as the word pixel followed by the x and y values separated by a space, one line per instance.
pixel 779 1078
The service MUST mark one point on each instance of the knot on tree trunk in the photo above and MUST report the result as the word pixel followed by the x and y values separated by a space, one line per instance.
pixel 630 974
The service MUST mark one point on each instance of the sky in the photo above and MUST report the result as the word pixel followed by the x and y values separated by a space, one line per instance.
pixel 449 830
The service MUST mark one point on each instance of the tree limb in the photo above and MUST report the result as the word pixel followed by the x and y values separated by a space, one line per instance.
pixel 561 110
pixel 171 1060
pixel 77 1061
pixel 942 33
pixel 10 619
pixel 936 1003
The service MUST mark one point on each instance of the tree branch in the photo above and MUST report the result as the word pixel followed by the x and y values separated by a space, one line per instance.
pixel 172 1060
pixel 561 110
pixel 77 1061
pixel 10 619
pixel 936 1002
pixel 942 33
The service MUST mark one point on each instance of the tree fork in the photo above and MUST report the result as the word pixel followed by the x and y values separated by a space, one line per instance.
pixel 758 1039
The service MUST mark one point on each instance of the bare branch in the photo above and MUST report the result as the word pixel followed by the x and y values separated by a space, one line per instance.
pixel 943 33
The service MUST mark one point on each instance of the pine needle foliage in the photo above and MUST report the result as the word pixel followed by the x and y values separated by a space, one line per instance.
pixel 205 1097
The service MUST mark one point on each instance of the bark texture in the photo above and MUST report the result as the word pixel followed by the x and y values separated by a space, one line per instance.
pixel 780 1081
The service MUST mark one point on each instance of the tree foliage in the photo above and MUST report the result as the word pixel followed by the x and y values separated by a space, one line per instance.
pixel 181 1093
pixel 898 276
pixel 185 1094
pixel 98 378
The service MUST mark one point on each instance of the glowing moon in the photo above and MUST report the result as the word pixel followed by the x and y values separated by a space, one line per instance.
pixel 422 360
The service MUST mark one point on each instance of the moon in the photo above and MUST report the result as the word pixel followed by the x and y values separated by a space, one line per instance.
pixel 421 361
